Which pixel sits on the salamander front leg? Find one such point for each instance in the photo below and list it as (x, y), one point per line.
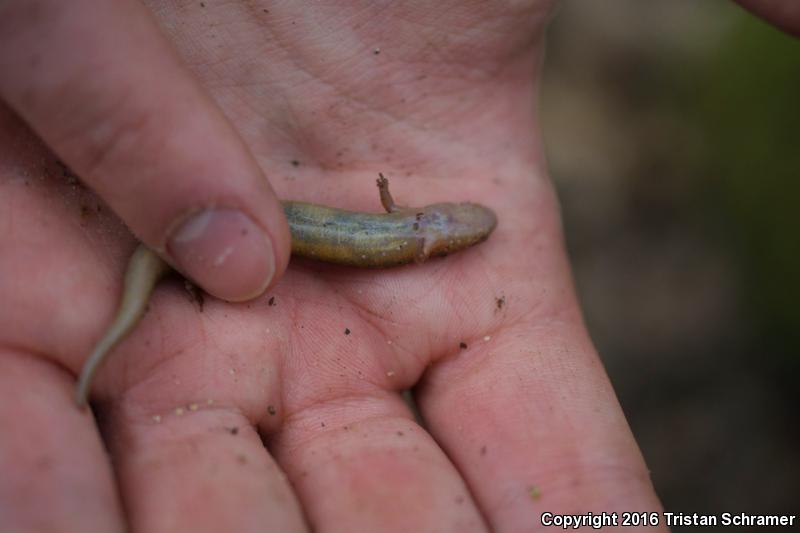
(386, 197)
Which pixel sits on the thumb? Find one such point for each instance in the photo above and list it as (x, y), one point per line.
(103, 88)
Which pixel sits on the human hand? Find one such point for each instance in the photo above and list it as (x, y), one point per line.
(519, 415)
(785, 14)
(106, 92)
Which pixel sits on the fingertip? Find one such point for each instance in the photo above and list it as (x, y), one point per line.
(224, 251)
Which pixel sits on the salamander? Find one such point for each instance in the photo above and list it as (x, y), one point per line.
(370, 240)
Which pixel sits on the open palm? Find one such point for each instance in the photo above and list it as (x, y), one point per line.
(285, 412)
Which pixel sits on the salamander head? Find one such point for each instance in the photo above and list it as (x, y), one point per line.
(450, 227)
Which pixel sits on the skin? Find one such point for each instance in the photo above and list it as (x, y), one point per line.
(402, 235)
(785, 14)
(305, 428)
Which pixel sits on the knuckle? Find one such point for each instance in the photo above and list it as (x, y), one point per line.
(105, 136)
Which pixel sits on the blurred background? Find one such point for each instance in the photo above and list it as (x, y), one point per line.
(672, 130)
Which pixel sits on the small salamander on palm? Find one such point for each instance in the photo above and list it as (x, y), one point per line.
(370, 240)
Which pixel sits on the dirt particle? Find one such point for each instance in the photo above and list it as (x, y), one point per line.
(85, 214)
(72, 178)
(157, 419)
(271, 301)
(195, 294)
(44, 463)
(272, 410)
(462, 345)
(534, 493)
(347, 331)
(295, 163)
(500, 302)
(179, 411)
(193, 407)
(400, 433)
(233, 430)
(202, 4)
(376, 51)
